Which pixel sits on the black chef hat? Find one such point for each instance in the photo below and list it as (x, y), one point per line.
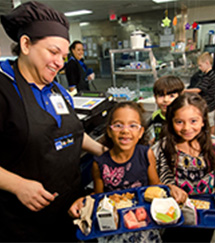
(35, 20)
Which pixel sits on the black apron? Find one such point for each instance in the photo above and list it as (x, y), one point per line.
(58, 171)
(73, 66)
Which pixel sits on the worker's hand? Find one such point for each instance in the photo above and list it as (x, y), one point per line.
(178, 194)
(74, 210)
(33, 195)
(91, 76)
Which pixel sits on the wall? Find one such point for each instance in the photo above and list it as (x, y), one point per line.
(203, 33)
(149, 22)
(113, 35)
(112, 31)
(75, 32)
(201, 14)
(5, 43)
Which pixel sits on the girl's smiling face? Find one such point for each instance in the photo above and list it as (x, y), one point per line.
(129, 131)
(188, 122)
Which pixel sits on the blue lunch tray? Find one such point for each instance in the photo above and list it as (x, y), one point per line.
(138, 202)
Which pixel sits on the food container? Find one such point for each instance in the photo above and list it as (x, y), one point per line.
(137, 39)
(107, 215)
(165, 211)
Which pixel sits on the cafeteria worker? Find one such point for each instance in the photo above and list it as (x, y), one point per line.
(41, 136)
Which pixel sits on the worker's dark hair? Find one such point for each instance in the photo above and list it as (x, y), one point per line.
(73, 45)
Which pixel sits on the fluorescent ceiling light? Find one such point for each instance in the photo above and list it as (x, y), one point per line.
(164, 1)
(79, 12)
(84, 24)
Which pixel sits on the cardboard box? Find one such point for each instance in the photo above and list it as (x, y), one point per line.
(107, 215)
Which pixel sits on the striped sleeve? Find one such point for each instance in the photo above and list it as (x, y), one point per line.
(164, 172)
(207, 87)
(204, 84)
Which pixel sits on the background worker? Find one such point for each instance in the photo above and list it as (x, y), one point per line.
(76, 70)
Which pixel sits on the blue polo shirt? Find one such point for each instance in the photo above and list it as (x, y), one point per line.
(42, 96)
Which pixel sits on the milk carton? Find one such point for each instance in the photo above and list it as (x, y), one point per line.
(107, 215)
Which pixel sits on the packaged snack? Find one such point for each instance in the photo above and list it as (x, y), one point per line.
(85, 221)
(189, 212)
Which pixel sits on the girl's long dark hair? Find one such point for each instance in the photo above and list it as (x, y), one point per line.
(169, 138)
(132, 105)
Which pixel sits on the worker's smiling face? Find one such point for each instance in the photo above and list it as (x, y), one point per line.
(43, 59)
(78, 52)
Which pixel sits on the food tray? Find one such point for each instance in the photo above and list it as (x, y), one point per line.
(206, 217)
(138, 202)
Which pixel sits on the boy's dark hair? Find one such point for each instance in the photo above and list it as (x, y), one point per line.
(167, 85)
(132, 105)
(169, 138)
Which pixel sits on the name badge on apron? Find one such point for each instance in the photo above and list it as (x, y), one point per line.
(59, 104)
